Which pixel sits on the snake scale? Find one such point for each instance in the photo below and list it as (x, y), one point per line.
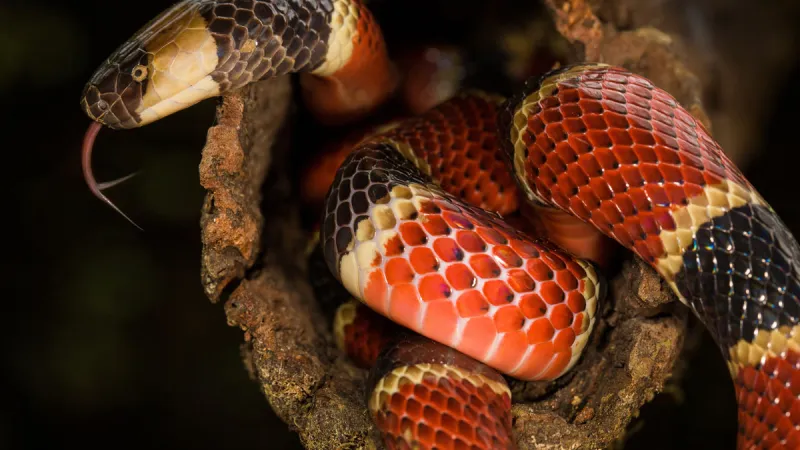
(413, 223)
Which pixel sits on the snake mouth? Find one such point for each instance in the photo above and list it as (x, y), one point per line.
(140, 104)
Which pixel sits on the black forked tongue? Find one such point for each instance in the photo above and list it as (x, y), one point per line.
(86, 163)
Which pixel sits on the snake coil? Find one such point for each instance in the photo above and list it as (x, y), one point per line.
(413, 224)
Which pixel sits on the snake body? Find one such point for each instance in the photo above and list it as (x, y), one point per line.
(446, 268)
(413, 222)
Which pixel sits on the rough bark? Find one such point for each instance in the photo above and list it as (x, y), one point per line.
(254, 258)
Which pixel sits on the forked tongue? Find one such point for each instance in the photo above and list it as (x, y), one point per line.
(86, 162)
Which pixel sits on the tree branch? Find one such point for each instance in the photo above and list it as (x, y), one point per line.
(261, 267)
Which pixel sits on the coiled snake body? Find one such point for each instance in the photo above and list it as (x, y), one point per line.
(413, 222)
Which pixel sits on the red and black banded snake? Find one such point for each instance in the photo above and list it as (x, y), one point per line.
(404, 236)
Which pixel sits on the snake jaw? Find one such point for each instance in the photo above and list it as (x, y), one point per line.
(179, 100)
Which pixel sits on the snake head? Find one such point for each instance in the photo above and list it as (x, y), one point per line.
(165, 67)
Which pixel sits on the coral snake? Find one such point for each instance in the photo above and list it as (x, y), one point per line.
(413, 223)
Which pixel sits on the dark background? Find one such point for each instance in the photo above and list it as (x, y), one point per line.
(111, 341)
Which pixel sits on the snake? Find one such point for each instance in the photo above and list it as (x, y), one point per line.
(413, 223)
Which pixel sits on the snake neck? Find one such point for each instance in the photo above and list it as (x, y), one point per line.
(357, 75)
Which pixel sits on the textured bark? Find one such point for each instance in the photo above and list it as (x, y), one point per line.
(259, 267)
(645, 50)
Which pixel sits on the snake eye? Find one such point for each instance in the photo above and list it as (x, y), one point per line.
(139, 73)
(102, 105)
